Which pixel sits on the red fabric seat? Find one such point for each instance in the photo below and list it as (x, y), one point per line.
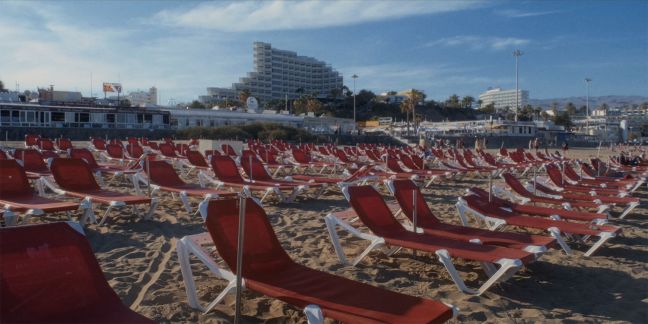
(75, 177)
(517, 186)
(16, 192)
(483, 206)
(87, 156)
(254, 170)
(268, 269)
(50, 275)
(375, 214)
(404, 189)
(162, 174)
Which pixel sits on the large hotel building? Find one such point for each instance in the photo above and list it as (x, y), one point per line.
(504, 98)
(279, 73)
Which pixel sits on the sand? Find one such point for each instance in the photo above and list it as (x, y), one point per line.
(139, 260)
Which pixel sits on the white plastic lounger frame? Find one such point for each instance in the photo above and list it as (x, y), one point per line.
(493, 223)
(536, 249)
(11, 218)
(198, 245)
(508, 267)
(89, 214)
(203, 179)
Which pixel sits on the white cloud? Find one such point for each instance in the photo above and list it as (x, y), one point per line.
(41, 45)
(514, 13)
(479, 42)
(437, 80)
(284, 15)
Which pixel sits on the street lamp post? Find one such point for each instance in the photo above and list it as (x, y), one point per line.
(517, 53)
(588, 81)
(354, 100)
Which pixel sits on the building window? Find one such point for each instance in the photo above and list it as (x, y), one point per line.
(58, 116)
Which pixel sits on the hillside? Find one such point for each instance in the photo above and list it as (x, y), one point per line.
(611, 101)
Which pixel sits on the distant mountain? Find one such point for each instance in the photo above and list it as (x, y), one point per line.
(611, 101)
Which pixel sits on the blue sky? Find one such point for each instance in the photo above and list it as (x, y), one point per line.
(441, 47)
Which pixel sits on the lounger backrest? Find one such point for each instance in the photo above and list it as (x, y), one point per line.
(3, 155)
(45, 144)
(494, 202)
(134, 150)
(482, 205)
(300, 156)
(225, 169)
(85, 155)
(163, 174)
(13, 180)
(49, 274)
(167, 150)
(154, 145)
(571, 173)
(115, 151)
(31, 140)
(254, 169)
(32, 160)
(73, 175)
(373, 211)
(99, 144)
(392, 164)
(64, 144)
(262, 252)
(516, 185)
(196, 159)
(228, 149)
(554, 174)
(404, 190)
(408, 162)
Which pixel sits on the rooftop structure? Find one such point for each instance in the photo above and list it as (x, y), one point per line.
(279, 74)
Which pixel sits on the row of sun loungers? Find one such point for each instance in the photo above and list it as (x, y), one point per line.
(566, 205)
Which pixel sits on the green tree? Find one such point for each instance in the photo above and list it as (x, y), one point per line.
(346, 91)
(570, 109)
(335, 93)
(392, 93)
(487, 109)
(414, 98)
(467, 102)
(563, 119)
(196, 105)
(274, 104)
(479, 103)
(453, 101)
(314, 105)
(2, 88)
(545, 116)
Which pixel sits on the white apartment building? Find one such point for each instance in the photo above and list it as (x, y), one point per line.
(280, 73)
(143, 98)
(504, 98)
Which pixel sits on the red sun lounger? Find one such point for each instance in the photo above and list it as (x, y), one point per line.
(269, 270)
(228, 175)
(495, 217)
(101, 169)
(629, 202)
(75, 179)
(558, 180)
(164, 178)
(387, 231)
(553, 213)
(525, 195)
(49, 274)
(406, 192)
(16, 195)
(255, 171)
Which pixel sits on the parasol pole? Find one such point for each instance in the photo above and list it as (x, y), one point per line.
(490, 186)
(148, 174)
(250, 165)
(239, 258)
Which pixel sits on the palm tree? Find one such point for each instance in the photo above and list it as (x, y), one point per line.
(1, 86)
(453, 101)
(244, 95)
(414, 97)
(406, 107)
(467, 102)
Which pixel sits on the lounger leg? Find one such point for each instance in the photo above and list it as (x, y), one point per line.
(185, 202)
(154, 203)
(231, 287)
(376, 243)
(335, 239)
(313, 314)
(628, 210)
(603, 238)
(187, 275)
(100, 179)
(508, 267)
(555, 233)
(331, 221)
(103, 219)
(88, 214)
(9, 218)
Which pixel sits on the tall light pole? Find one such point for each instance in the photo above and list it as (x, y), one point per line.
(588, 81)
(517, 53)
(354, 100)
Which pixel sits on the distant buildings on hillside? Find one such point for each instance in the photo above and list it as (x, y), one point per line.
(502, 99)
(279, 74)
